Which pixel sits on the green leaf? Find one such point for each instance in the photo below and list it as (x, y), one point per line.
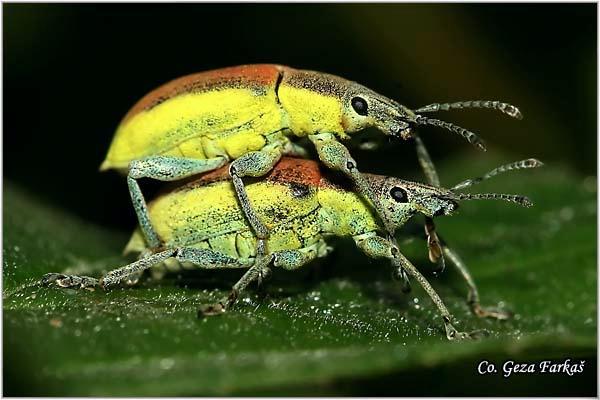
(339, 327)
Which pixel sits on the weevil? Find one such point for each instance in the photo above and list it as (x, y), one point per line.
(201, 223)
(250, 115)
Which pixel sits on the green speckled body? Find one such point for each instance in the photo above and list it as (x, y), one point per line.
(298, 204)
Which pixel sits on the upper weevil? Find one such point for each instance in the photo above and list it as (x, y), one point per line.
(248, 114)
(201, 223)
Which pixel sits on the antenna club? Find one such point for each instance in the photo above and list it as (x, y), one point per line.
(526, 202)
(532, 163)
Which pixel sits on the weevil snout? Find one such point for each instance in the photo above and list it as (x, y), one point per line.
(366, 108)
(436, 202)
(401, 129)
(393, 119)
(447, 207)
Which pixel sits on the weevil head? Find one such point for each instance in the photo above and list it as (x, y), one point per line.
(317, 102)
(399, 200)
(362, 108)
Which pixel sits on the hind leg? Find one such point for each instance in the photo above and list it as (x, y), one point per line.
(162, 168)
(204, 258)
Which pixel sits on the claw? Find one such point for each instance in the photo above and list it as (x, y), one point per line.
(210, 310)
(263, 276)
(68, 281)
(486, 312)
(219, 308)
(453, 334)
(50, 278)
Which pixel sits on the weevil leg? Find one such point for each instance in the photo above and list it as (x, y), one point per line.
(473, 296)
(434, 246)
(115, 276)
(374, 246)
(295, 150)
(111, 278)
(260, 267)
(286, 259)
(437, 249)
(377, 246)
(209, 259)
(162, 168)
(336, 156)
(254, 164)
(451, 332)
(426, 162)
(294, 259)
(436, 254)
(204, 258)
(69, 281)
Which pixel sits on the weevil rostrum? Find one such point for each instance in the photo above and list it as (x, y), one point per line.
(201, 223)
(251, 115)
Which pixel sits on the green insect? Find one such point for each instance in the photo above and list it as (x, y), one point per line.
(201, 223)
(251, 115)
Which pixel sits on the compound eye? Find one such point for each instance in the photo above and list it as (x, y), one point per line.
(399, 194)
(360, 105)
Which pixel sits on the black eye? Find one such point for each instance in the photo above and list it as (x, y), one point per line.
(399, 194)
(360, 105)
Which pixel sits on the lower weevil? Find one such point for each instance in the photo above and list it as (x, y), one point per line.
(201, 223)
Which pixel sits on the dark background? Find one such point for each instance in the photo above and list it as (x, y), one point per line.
(72, 71)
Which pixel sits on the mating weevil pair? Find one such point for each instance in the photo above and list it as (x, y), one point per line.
(249, 115)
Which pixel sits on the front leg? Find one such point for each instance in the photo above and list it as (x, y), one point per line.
(379, 247)
(439, 250)
(162, 168)
(336, 156)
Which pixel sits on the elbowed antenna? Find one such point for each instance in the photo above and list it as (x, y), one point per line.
(523, 164)
(513, 198)
(467, 134)
(505, 108)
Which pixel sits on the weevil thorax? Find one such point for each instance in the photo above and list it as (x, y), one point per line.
(316, 102)
(400, 199)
